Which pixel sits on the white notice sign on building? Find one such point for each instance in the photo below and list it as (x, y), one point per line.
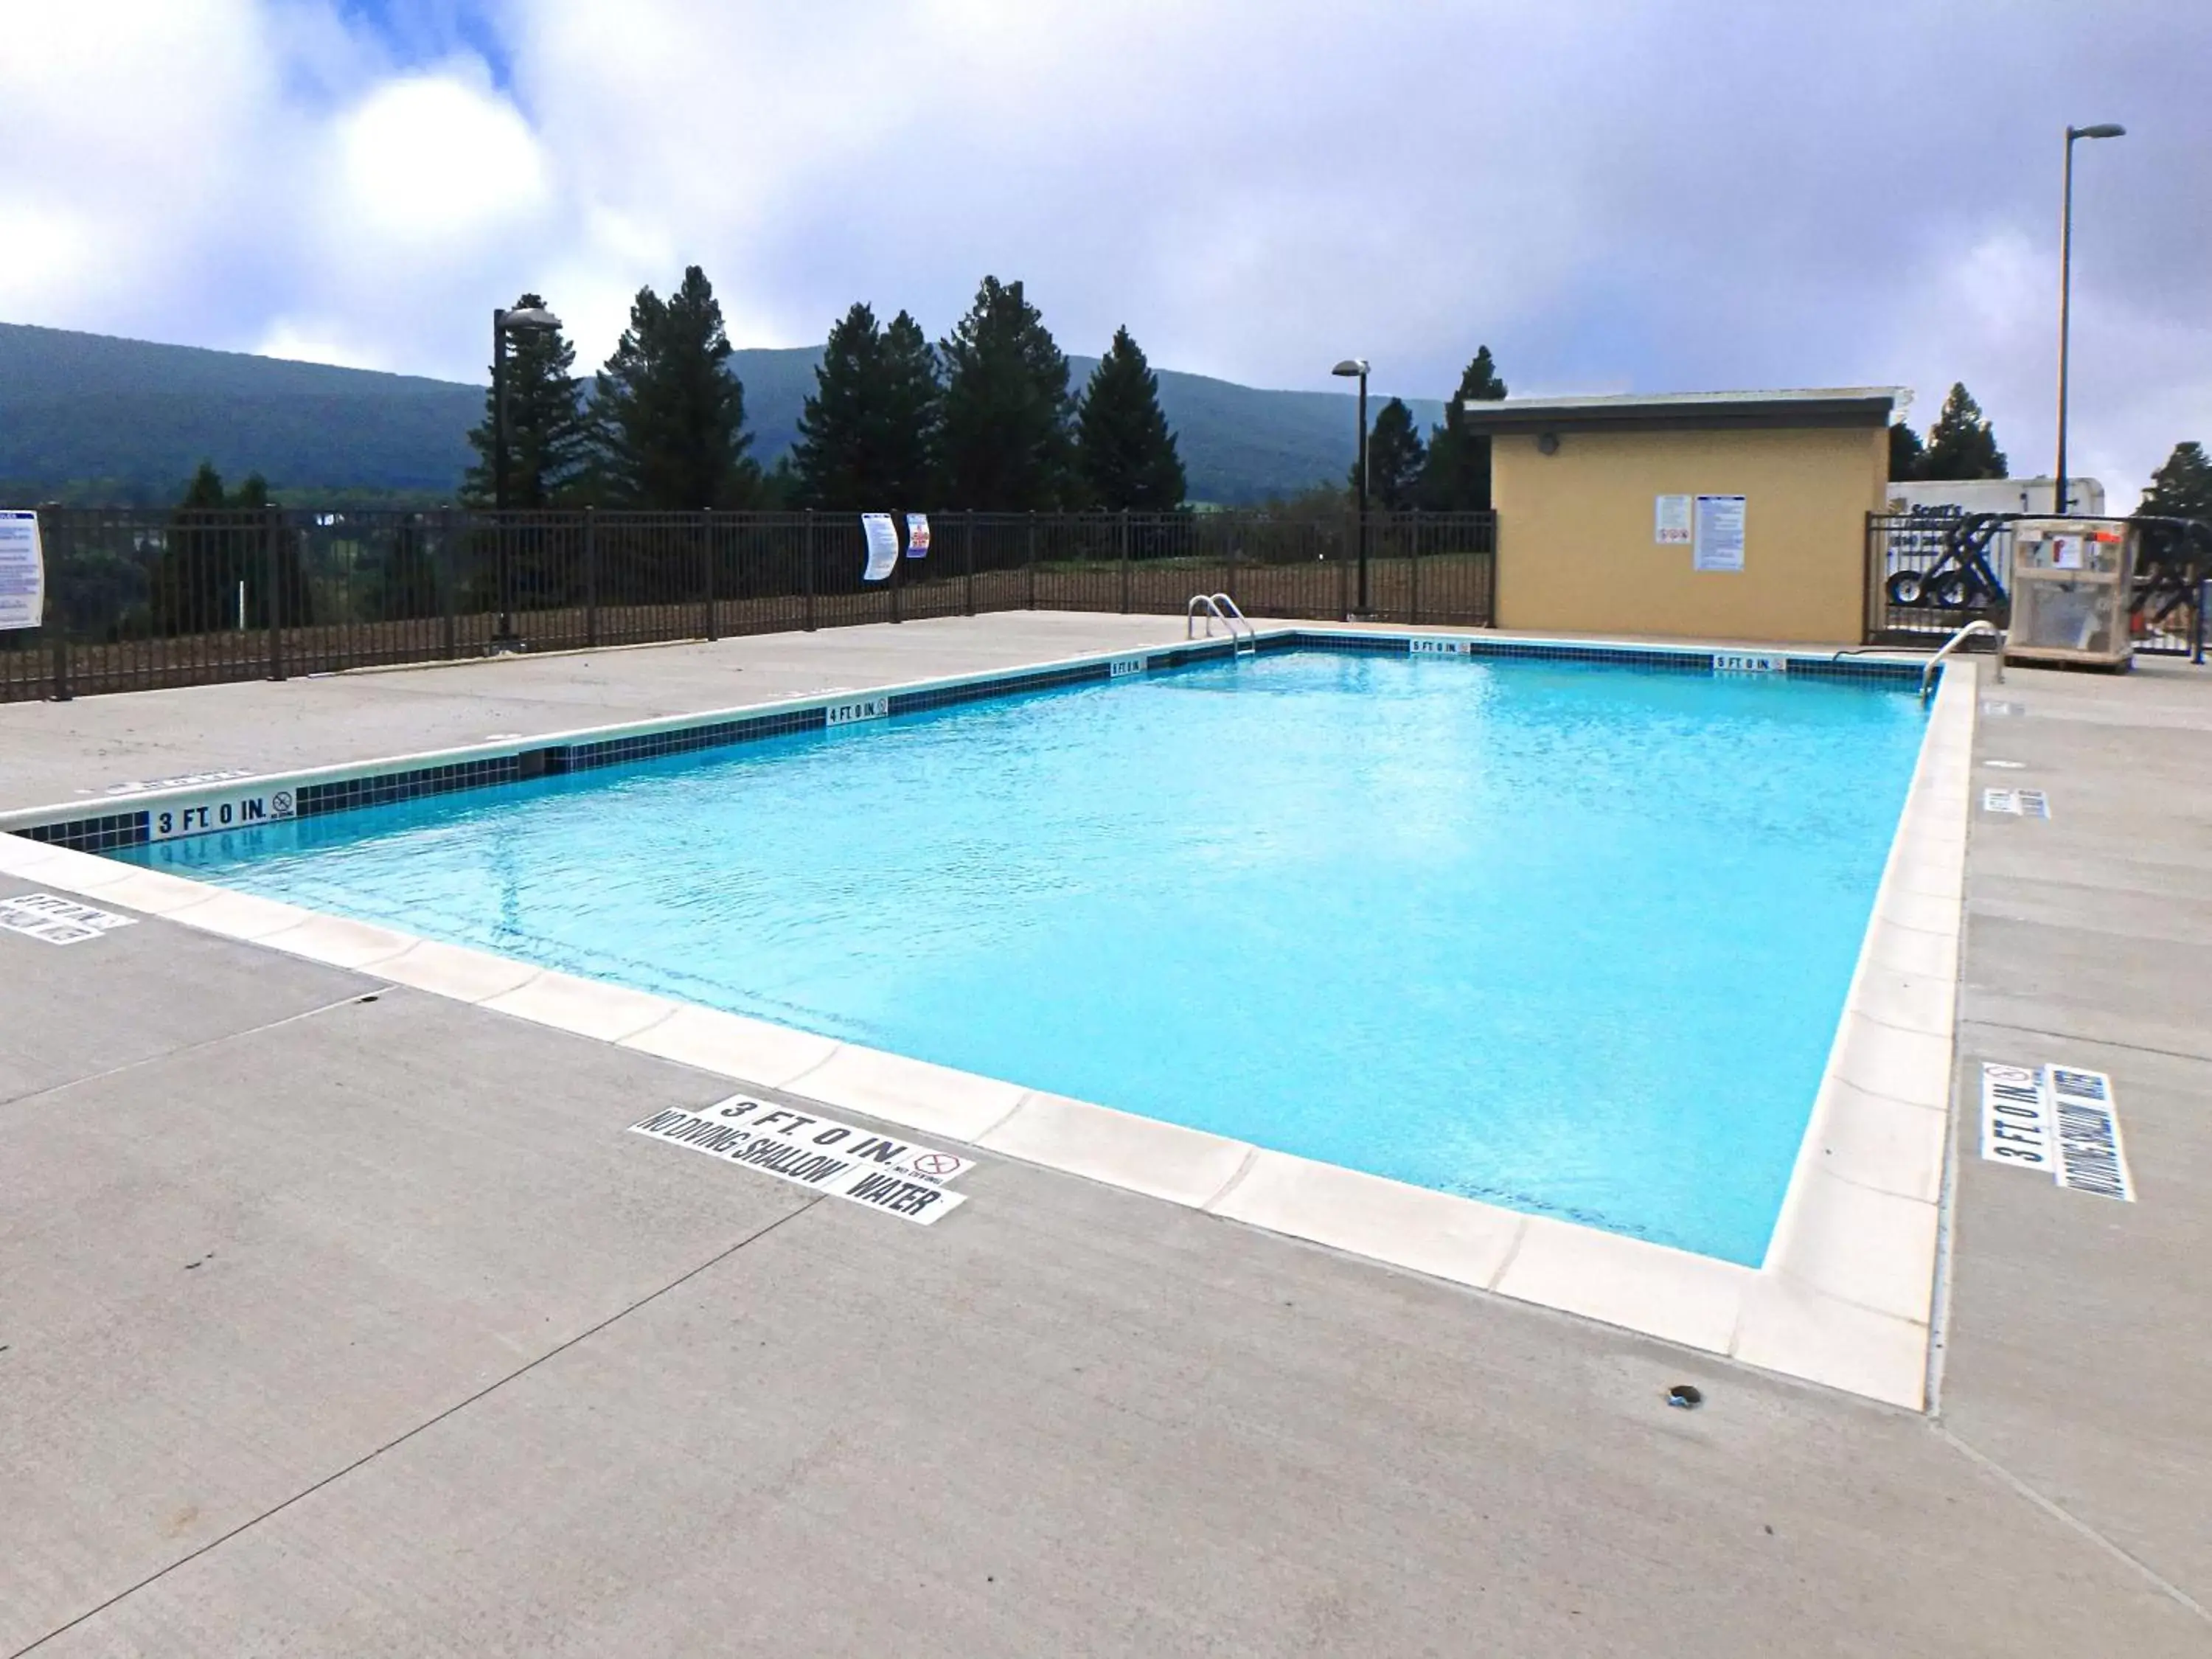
(23, 571)
(1670, 520)
(1718, 533)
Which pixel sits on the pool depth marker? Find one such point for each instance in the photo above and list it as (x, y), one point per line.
(851, 1162)
(2059, 1118)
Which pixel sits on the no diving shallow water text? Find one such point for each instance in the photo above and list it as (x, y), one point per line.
(2059, 1119)
(56, 921)
(879, 1171)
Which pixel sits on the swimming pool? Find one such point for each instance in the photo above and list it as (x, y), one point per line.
(1568, 938)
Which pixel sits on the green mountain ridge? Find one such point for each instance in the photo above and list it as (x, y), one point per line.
(94, 417)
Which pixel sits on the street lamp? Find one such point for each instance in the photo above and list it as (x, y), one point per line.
(523, 319)
(2103, 130)
(1352, 366)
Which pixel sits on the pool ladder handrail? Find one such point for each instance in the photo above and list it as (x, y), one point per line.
(1220, 606)
(1979, 625)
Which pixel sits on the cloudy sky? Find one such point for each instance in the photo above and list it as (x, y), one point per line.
(1651, 195)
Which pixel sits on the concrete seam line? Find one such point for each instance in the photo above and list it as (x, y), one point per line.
(2076, 1522)
(196, 1048)
(553, 1353)
(2096, 1042)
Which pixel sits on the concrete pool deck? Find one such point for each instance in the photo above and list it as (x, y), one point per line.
(489, 1377)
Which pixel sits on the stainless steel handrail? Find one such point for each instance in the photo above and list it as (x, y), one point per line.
(1221, 607)
(1979, 625)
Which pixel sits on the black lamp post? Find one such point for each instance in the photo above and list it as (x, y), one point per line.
(2104, 130)
(526, 319)
(1357, 366)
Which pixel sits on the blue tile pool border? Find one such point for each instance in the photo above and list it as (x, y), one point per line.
(318, 792)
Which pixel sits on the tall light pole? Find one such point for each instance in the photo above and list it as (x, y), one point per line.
(2104, 130)
(523, 319)
(1357, 366)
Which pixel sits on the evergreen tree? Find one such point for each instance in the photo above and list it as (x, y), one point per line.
(1908, 456)
(914, 416)
(405, 582)
(1457, 476)
(867, 437)
(1126, 452)
(1397, 454)
(218, 548)
(1007, 446)
(549, 434)
(832, 463)
(1960, 444)
(2182, 489)
(671, 415)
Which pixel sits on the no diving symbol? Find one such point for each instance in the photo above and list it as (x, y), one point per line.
(280, 804)
(935, 1163)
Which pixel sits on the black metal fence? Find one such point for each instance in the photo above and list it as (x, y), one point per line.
(141, 598)
(1931, 572)
(2172, 568)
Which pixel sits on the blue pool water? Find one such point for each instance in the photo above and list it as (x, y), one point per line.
(1569, 938)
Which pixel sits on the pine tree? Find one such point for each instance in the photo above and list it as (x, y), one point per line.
(1124, 448)
(1397, 454)
(1960, 444)
(867, 437)
(1007, 446)
(834, 463)
(912, 427)
(549, 434)
(1908, 456)
(213, 552)
(2182, 489)
(670, 416)
(1457, 476)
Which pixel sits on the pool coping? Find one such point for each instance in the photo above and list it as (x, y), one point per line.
(1843, 1297)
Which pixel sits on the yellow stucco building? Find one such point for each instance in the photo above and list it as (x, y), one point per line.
(1711, 515)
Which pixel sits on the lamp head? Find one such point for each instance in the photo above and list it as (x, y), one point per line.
(1351, 366)
(2102, 130)
(528, 317)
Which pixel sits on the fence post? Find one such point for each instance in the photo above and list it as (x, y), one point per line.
(809, 561)
(968, 564)
(1030, 559)
(1121, 536)
(706, 535)
(591, 578)
(898, 572)
(274, 517)
(449, 587)
(1413, 566)
(62, 693)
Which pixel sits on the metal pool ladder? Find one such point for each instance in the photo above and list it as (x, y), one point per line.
(1979, 625)
(1220, 607)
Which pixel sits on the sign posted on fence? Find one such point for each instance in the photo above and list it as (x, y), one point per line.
(882, 546)
(917, 535)
(23, 571)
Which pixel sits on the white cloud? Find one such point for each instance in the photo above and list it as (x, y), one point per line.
(1685, 196)
(431, 159)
